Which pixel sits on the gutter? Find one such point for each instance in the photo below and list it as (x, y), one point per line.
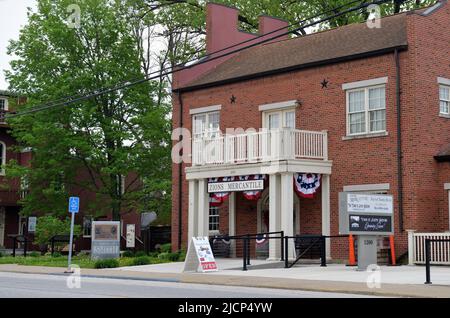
(399, 142)
(293, 68)
(180, 179)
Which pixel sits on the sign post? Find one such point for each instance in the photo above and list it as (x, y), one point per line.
(74, 208)
(367, 216)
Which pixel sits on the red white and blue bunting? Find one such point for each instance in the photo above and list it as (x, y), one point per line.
(306, 184)
(256, 194)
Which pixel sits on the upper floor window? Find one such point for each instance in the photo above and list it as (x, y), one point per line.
(3, 104)
(2, 157)
(279, 119)
(206, 124)
(444, 99)
(366, 110)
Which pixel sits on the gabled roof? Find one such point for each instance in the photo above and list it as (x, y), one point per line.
(343, 43)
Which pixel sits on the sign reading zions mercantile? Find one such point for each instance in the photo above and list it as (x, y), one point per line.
(235, 186)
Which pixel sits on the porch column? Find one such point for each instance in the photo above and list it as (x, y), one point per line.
(192, 210)
(232, 221)
(274, 215)
(287, 209)
(203, 208)
(326, 227)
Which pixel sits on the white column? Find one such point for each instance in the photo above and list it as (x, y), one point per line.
(287, 209)
(232, 221)
(326, 218)
(274, 215)
(203, 208)
(193, 210)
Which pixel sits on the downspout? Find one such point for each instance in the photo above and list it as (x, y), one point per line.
(180, 178)
(399, 143)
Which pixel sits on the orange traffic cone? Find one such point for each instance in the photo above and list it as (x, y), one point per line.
(391, 242)
(351, 251)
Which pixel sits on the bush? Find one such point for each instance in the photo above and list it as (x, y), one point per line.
(106, 263)
(166, 248)
(153, 254)
(57, 254)
(128, 253)
(173, 257)
(143, 260)
(140, 254)
(34, 254)
(1, 254)
(49, 226)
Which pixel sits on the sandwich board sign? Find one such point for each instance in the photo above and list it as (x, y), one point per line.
(366, 215)
(131, 235)
(105, 239)
(200, 255)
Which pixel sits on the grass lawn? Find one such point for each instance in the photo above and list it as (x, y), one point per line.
(61, 261)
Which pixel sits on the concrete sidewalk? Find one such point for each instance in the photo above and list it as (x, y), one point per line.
(401, 281)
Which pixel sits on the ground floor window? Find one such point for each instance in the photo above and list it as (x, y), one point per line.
(213, 218)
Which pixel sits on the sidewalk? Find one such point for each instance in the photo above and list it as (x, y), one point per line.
(401, 281)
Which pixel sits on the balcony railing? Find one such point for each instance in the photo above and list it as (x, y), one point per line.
(262, 146)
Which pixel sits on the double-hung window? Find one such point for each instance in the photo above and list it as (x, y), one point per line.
(366, 110)
(280, 119)
(206, 125)
(213, 219)
(3, 104)
(444, 100)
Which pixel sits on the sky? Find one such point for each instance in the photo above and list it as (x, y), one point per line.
(13, 15)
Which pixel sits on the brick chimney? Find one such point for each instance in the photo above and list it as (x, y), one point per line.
(222, 31)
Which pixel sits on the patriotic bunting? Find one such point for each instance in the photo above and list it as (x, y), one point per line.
(306, 184)
(252, 195)
(218, 198)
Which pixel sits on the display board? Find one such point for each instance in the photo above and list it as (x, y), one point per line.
(105, 239)
(200, 256)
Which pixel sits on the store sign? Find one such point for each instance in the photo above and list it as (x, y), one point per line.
(131, 235)
(200, 255)
(235, 186)
(369, 203)
(366, 214)
(105, 239)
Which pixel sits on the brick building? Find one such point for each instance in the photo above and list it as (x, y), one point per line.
(366, 109)
(11, 221)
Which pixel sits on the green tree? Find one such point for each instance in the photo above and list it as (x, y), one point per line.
(90, 144)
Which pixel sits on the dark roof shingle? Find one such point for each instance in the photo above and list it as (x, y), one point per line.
(317, 48)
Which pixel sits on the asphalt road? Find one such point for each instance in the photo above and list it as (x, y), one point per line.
(14, 285)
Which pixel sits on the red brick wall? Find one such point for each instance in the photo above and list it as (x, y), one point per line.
(357, 161)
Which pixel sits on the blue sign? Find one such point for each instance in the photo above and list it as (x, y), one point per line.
(74, 204)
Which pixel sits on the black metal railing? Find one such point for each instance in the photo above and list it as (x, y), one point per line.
(244, 242)
(428, 257)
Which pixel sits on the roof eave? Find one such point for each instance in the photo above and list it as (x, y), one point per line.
(293, 68)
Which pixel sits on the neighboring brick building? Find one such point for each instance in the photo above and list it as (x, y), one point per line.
(366, 108)
(11, 222)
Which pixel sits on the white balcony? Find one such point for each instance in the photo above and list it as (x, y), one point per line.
(262, 146)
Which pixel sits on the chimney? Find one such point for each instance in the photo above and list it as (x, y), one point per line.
(222, 31)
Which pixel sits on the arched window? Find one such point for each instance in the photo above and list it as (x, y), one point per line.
(2, 157)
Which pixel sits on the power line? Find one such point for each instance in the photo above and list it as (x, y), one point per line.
(161, 72)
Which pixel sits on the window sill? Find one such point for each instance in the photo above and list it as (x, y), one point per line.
(444, 115)
(370, 135)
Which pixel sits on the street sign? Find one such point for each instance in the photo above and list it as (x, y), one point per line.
(74, 207)
(74, 204)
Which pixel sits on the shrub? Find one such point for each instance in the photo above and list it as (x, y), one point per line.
(34, 254)
(140, 253)
(181, 256)
(49, 226)
(153, 254)
(57, 254)
(106, 263)
(142, 260)
(166, 248)
(173, 257)
(128, 253)
(1, 254)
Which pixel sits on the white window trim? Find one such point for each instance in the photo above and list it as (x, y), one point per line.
(213, 232)
(207, 109)
(6, 102)
(365, 83)
(3, 162)
(443, 81)
(281, 111)
(367, 187)
(367, 131)
(447, 86)
(207, 123)
(278, 106)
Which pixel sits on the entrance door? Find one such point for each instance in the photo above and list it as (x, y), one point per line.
(263, 214)
(280, 119)
(2, 226)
